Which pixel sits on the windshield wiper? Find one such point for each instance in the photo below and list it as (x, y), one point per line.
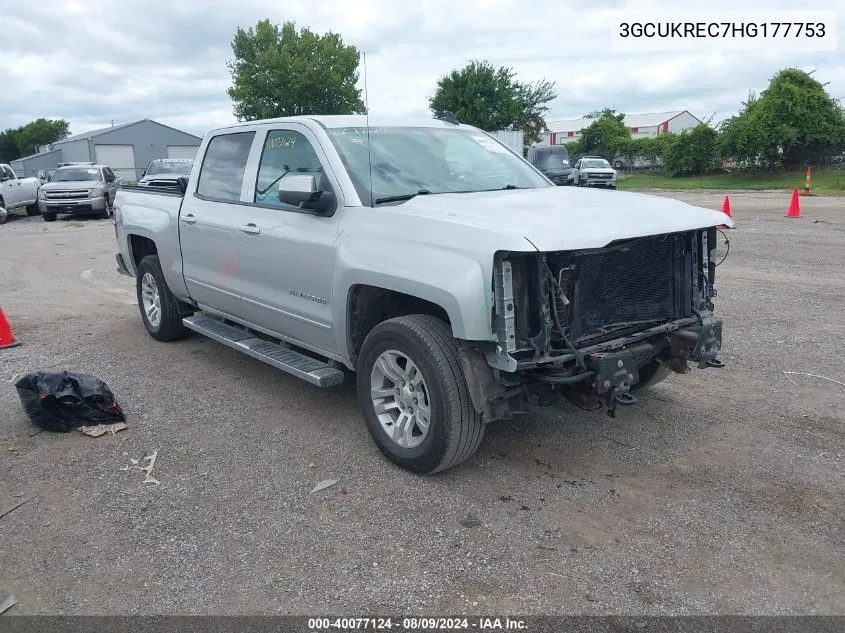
(404, 196)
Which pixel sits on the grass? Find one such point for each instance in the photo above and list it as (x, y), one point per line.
(76, 224)
(829, 182)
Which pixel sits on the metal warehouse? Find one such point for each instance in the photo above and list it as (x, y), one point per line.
(126, 148)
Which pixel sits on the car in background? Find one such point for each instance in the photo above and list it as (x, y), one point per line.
(165, 172)
(553, 161)
(79, 189)
(593, 171)
(17, 193)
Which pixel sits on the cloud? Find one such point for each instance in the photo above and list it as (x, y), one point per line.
(100, 61)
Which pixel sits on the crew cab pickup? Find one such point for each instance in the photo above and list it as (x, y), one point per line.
(16, 193)
(456, 281)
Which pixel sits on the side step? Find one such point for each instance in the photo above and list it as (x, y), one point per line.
(300, 365)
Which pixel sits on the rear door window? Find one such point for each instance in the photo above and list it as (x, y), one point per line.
(224, 165)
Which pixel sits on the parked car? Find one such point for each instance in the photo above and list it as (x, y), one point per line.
(455, 296)
(553, 161)
(79, 189)
(17, 193)
(593, 171)
(164, 172)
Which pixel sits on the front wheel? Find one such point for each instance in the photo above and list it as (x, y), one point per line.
(33, 209)
(49, 217)
(160, 310)
(414, 395)
(651, 374)
(106, 214)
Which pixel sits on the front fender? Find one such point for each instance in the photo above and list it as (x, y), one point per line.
(457, 282)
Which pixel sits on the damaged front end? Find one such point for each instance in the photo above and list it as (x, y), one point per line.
(596, 325)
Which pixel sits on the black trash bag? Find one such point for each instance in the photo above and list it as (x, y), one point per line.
(62, 401)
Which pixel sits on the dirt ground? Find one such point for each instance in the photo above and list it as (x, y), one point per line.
(721, 492)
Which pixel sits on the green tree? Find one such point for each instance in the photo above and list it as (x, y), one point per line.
(492, 99)
(40, 132)
(607, 136)
(692, 152)
(9, 150)
(793, 123)
(532, 120)
(281, 72)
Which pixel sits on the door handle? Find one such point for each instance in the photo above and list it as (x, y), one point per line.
(250, 229)
(188, 219)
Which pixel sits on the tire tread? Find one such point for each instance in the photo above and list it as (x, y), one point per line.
(171, 328)
(464, 427)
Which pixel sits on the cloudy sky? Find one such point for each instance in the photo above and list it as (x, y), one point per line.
(93, 62)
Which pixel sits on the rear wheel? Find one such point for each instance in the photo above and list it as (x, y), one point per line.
(161, 312)
(33, 209)
(414, 395)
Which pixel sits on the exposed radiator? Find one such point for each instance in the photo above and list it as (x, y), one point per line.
(649, 279)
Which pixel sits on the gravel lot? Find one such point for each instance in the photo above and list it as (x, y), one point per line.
(721, 492)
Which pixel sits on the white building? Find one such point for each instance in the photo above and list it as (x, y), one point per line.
(641, 125)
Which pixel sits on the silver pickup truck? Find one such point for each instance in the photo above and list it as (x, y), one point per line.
(453, 278)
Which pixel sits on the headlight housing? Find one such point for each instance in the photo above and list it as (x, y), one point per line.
(96, 192)
(41, 194)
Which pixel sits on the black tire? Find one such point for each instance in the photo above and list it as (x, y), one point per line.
(618, 164)
(107, 211)
(49, 217)
(170, 327)
(33, 210)
(455, 428)
(651, 374)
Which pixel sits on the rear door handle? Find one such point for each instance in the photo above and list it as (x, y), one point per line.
(250, 229)
(188, 219)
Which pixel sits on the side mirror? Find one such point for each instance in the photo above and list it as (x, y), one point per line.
(143, 173)
(300, 190)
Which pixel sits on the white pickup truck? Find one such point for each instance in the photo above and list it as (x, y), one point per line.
(453, 278)
(16, 193)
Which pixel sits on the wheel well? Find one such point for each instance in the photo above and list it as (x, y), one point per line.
(141, 247)
(368, 306)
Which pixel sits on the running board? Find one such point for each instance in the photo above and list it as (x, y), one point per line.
(300, 365)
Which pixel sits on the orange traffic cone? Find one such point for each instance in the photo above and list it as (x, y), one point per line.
(794, 207)
(726, 209)
(807, 181)
(7, 339)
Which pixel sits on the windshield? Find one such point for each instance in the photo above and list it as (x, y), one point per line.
(594, 162)
(169, 168)
(76, 174)
(407, 160)
(551, 158)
